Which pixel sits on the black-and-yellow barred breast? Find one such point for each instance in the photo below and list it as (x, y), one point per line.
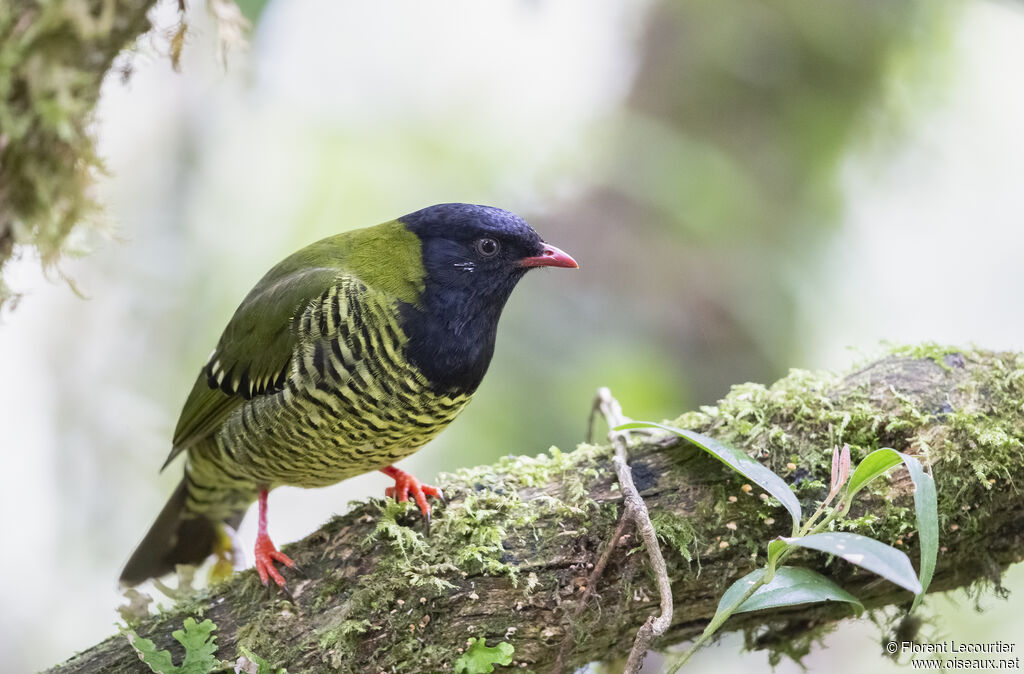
(351, 403)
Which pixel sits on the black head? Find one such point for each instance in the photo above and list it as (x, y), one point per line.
(479, 250)
(473, 257)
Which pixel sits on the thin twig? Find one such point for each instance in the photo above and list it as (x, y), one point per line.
(636, 510)
(592, 580)
(595, 575)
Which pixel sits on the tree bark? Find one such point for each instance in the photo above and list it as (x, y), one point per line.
(509, 556)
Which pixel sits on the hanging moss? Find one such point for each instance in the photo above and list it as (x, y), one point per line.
(53, 58)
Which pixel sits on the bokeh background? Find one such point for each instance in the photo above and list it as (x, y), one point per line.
(748, 186)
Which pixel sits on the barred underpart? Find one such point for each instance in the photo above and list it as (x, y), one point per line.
(351, 403)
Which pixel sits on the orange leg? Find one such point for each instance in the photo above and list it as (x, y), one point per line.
(406, 484)
(266, 553)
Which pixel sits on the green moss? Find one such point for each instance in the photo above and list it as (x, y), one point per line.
(931, 350)
(792, 425)
(678, 534)
(270, 631)
(468, 539)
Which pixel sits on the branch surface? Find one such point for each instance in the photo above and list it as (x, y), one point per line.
(510, 556)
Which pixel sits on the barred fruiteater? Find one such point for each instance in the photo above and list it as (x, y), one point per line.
(347, 356)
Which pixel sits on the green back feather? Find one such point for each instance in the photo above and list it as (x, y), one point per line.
(254, 354)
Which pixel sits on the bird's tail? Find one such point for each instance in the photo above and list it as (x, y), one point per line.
(176, 537)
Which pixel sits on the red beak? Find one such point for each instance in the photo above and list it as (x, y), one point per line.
(551, 257)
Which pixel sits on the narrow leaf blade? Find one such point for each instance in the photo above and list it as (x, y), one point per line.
(927, 509)
(925, 504)
(775, 548)
(738, 589)
(867, 553)
(874, 464)
(794, 585)
(835, 469)
(844, 465)
(738, 461)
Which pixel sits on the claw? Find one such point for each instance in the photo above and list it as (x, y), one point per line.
(266, 555)
(266, 552)
(406, 484)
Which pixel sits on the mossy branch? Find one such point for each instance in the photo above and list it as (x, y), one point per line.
(53, 58)
(509, 557)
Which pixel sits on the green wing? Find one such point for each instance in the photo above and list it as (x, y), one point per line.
(254, 355)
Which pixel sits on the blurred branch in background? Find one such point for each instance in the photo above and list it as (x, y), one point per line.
(730, 143)
(510, 556)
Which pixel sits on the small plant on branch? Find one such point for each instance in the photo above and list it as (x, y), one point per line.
(775, 584)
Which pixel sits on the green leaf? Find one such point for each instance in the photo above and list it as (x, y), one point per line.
(790, 586)
(158, 661)
(926, 507)
(775, 548)
(867, 553)
(874, 464)
(738, 461)
(480, 658)
(199, 643)
(200, 646)
(738, 589)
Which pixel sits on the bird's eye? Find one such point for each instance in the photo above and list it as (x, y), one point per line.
(487, 247)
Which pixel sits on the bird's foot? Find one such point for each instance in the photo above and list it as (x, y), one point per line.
(406, 484)
(266, 555)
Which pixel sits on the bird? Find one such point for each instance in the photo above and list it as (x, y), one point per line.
(347, 356)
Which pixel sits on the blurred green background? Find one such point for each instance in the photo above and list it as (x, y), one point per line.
(748, 186)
